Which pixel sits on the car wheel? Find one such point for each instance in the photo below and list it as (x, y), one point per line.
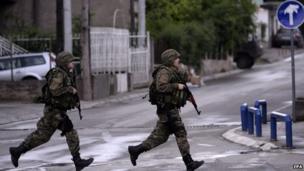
(299, 44)
(244, 61)
(29, 78)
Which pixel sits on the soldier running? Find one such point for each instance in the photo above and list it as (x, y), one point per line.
(166, 92)
(59, 96)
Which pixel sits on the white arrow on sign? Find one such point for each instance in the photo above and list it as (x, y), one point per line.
(292, 8)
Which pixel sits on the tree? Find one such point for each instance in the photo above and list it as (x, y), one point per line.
(197, 27)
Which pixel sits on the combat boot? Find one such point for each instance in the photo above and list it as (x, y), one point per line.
(190, 164)
(16, 153)
(135, 151)
(81, 163)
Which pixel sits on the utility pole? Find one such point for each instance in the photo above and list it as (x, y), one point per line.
(59, 26)
(132, 27)
(142, 22)
(85, 50)
(68, 37)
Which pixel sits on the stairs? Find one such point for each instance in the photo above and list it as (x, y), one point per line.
(5, 47)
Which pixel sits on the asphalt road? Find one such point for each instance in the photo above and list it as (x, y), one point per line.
(107, 130)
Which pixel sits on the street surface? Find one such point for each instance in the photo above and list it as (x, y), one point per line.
(107, 130)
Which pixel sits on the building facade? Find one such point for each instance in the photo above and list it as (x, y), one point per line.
(40, 15)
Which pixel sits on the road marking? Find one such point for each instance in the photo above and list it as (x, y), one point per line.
(283, 107)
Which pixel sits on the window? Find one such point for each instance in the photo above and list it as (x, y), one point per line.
(32, 60)
(5, 64)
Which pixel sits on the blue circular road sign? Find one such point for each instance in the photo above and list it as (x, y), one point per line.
(290, 14)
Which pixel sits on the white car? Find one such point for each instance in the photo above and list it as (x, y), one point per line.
(30, 66)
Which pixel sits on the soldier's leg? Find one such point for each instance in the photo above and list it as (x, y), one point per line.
(66, 126)
(183, 144)
(180, 133)
(159, 136)
(44, 132)
(40, 136)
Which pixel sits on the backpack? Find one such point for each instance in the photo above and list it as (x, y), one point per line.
(66, 101)
(46, 94)
(153, 93)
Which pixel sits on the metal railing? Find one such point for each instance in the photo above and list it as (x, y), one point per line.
(7, 47)
(116, 51)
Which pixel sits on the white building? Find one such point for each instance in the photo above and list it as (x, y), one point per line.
(266, 23)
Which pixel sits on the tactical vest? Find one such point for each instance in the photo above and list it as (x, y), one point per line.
(65, 101)
(177, 98)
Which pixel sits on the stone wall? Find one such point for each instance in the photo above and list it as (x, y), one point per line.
(211, 66)
(20, 90)
(103, 86)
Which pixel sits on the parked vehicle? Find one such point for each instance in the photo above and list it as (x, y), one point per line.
(30, 66)
(246, 54)
(282, 38)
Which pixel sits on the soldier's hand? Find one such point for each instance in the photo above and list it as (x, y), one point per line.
(181, 86)
(72, 90)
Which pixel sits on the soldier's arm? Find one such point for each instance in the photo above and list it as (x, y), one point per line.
(184, 75)
(56, 85)
(163, 82)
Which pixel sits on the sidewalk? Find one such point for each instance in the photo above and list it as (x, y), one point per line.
(236, 135)
(20, 111)
(272, 55)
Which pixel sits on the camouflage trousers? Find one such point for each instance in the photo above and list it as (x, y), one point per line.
(52, 120)
(169, 123)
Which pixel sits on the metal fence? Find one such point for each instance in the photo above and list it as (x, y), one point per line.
(44, 44)
(112, 51)
(109, 50)
(140, 55)
(116, 51)
(6, 47)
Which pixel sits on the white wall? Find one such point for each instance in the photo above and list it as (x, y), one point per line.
(262, 17)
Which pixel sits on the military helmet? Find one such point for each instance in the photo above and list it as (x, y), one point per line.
(63, 58)
(169, 55)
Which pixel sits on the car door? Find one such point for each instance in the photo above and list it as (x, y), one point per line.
(18, 73)
(5, 69)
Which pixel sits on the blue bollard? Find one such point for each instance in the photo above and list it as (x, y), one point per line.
(288, 127)
(262, 105)
(250, 122)
(273, 128)
(244, 116)
(258, 123)
(252, 111)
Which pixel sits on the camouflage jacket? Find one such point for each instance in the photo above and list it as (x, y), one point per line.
(166, 91)
(58, 91)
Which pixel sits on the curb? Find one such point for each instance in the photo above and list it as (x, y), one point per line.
(88, 104)
(232, 136)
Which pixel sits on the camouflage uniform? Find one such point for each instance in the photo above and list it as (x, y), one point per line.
(168, 113)
(55, 118)
(59, 97)
(167, 78)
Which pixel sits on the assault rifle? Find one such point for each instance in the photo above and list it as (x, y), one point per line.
(191, 98)
(78, 106)
(77, 98)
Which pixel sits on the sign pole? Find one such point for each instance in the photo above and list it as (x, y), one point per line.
(293, 72)
(290, 15)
